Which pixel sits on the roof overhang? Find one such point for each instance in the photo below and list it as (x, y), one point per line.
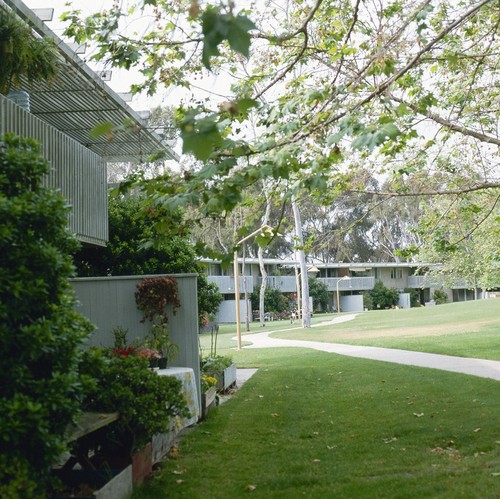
(77, 100)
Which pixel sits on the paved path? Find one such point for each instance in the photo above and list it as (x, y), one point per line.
(474, 367)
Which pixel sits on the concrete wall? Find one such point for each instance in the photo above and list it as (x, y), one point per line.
(351, 303)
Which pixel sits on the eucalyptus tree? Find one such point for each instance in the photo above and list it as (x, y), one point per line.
(330, 85)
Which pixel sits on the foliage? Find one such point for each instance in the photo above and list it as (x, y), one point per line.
(462, 235)
(414, 297)
(22, 54)
(120, 381)
(384, 297)
(274, 300)
(207, 382)
(132, 222)
(439, 296)
(154, 294)
(40, 332)
(119, 337)
(367, 300)
(406, 111)
(318, 291)
(159, 339)
(214, 365)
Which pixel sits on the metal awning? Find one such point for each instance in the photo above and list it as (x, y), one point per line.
(77, 100)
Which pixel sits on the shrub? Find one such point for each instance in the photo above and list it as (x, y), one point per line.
(440, 296)
(40, 333)
(367, 300)
(274, 300)
(384, 297)
(119, 380)
(414, 297)
(318, 291)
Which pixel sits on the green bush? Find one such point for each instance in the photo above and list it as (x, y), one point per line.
(414, 297)
(367, 300)
(384, 297)
(119, 380)
(318, 291)
(274, 300)
(40, 333)
(440, 297)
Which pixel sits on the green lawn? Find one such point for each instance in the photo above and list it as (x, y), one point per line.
(470, 329)
(313, 424)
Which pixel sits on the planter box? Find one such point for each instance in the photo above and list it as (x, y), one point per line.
(162, 443)
(142, 463)
(227, 379)
(208, 400)
(96, 484)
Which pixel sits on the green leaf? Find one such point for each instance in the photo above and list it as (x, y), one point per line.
(237, 35)
(216, 28)
(102, 129)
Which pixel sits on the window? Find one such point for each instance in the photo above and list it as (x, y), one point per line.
(396, 273)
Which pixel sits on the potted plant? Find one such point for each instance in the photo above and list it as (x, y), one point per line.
(159, 341)
(208, 393)
(221, 367)
(153, 295)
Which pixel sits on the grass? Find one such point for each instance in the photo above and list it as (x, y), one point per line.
(470, 329)
(313, 424)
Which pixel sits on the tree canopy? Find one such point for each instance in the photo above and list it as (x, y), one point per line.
(315, 90)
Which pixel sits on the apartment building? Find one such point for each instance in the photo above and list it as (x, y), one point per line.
(345, 282)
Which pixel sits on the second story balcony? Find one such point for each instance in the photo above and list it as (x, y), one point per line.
(288, 284)
(226, 283)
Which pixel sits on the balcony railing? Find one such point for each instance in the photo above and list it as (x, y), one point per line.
(423, 281)
(352, 284)
(226, 283)
(288, 284)
(77, 172)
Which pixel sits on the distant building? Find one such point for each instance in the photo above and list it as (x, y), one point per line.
(348, 281)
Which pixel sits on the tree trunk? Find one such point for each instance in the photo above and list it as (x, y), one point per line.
(299, 242)
(260, 254)
(245, 290)
(263, 286)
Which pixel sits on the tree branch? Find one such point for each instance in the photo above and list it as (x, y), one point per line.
(451, 192)
(448, 124)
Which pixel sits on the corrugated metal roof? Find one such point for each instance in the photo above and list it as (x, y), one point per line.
(77, 100)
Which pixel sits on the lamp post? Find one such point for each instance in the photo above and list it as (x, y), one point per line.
(264, 228)
(345, 278)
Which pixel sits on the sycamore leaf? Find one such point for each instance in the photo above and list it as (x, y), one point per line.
(216, 28)
(237, 34)
(105, 128)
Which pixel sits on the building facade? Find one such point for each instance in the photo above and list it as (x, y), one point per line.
(62, 114)
(346, 283)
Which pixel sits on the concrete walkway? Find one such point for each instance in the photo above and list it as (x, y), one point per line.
(474, 367)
